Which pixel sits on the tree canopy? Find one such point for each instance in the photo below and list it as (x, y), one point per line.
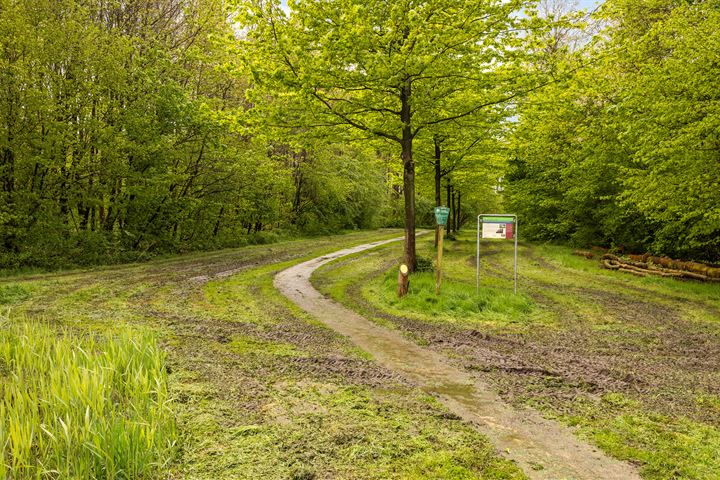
(132, 128)
(389, 70)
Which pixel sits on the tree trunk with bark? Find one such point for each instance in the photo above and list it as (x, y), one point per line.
(458, 219)
(438, 187)
(449, 204)
(408, 177)
(452, 220)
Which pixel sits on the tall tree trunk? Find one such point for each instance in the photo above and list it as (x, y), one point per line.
(7, 174)
(453, 219)
(297, 197)
(216, 230)
(8, 169)
(298, 181)
(438, 187)
(449, 204)
(458, 219)
(408, 176)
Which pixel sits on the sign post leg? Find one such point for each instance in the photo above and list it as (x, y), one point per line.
(516, 247)
(438, 268)
(477, 260)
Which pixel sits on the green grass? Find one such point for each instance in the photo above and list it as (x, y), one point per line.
(244, 345)
(259, 389)
(561, 294)
(666, 447)
(457, 303)
(82, 405)
(496, 306)
(315, 428)
(12, 293)
(575, 271)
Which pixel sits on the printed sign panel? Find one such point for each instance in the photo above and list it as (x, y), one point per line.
(493, 230)
(498, 227)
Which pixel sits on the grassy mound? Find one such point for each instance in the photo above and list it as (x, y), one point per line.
(458, 302)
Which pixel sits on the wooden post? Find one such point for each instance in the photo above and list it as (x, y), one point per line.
(403, 280)
(438, 266)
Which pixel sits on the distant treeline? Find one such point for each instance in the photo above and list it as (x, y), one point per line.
(625, 151)
(121, 137)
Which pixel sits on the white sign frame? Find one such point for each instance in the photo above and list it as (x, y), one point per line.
(477, 252)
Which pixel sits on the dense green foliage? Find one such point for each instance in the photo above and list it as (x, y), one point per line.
(624, 150)
(74, 407)
(121, 136)
(132, 128)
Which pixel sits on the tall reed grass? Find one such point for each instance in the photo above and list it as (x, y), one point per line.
(82, 405)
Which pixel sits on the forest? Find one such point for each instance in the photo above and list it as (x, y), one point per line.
(217, 257)
(131, 129)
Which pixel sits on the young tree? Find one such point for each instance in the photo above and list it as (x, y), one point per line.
(387, 70)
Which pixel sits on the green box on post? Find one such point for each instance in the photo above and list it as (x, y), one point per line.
(441, 215)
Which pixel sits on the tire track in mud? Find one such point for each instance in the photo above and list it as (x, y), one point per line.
(645, 349)
(542, 448)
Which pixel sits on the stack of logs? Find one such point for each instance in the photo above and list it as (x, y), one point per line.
(645, 265)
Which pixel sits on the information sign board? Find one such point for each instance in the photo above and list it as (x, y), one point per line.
(441, 215)
(496, 226)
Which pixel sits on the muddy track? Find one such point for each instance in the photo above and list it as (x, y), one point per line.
(542, 448)
(659, 356)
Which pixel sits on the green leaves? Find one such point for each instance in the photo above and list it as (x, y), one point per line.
(632, 138)
(348, 61)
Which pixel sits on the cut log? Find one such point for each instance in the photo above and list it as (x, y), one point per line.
(403, 280)
(639, 258)
(633, 271)
(658, 266)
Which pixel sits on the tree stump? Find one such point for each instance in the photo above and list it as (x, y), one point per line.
(403, 280)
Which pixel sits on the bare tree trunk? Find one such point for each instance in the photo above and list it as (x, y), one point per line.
(449, 204)
(453, 220)
(298, 182)
(216, 229)
(8, 169)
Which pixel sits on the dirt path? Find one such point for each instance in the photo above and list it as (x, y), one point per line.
(542, 448)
